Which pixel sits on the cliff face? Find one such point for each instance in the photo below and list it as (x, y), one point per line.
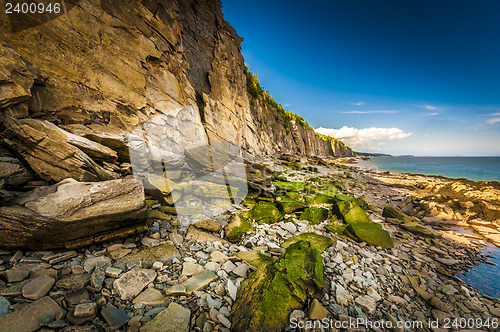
(111, 65)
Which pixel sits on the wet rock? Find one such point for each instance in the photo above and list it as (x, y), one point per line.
(90, 263)
(133, 282)
(116, 318)
(77, 297)
(254, 258)
(38, 287)
(97, 278)
(297, 275)
(238, 225)
(349, 211)
(319, 241)
(175, 318)
(27, 319)
(4, 306)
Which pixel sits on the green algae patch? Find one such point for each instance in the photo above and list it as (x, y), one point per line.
(320, 199)
(287, 205)
(390, 212)
(265, 213)
(350, 212)
(254, 258)
(289, 186)
(314, 215)
(237, 226)
(320, 242)
(248, 202)
(268, 296)
(371, 233)
(336, 229)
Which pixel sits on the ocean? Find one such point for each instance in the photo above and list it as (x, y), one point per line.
(472, 168)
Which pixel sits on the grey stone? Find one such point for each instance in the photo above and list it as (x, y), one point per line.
(85, 309)
(175, 318)
(27, 319)
(74, 281)
(116, 318)
(4, 306)
(133, 282)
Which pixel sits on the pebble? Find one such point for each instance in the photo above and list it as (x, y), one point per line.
(116, 318)
(85, 309)
(231, 289)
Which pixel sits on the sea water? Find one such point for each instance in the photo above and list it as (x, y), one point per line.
(484, 277)
(472, 168)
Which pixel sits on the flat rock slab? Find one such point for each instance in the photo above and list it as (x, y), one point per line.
(27, 319)
(163, 253)
(72, 214)
(197, 282)
(74, 281)
(197, 235)
(133, 282)
(116, 318)
(38, 287)
(173, 319)
(151, 297)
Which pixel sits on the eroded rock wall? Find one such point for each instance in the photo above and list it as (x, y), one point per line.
(119, 63)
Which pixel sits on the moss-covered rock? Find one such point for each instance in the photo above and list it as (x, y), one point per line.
(248, 202)
(418, 228)
(407, 223)
(320, 199)
(371, 233)
(320, 242)
(390, 212)
(265, 213)
(237, 226)
(288, 205)
(336, 228)
(350, 212)
(266, 299)
(314, 215)
(254, 258)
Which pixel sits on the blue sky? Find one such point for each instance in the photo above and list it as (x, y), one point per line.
(401, 77)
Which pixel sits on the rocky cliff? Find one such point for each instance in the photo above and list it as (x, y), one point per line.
(106, 67)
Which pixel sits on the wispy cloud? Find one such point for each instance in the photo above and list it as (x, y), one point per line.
(430, 107)
(368, 112)
(357, 137)
(360, 103)
(432, 114)
(493, 121)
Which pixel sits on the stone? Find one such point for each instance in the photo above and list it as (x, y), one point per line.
(175, 318)
(149, 242)
(349, 211)
(151, 297)
(72, 319)
(85, 309)
(15, 275)
(213, 303)
(38, 287)
(209, 225)
(288, 205)
(164, 253)
(190, 268)
(56, 217)
(49, 272)
(314, 215)
(423, 293)
(77, 297)
(14, 290)
(4, 306)
(97, 278)
(196, 282)
(216, 256)
(438, 304)
(116, 318)
(133, 282)
(237, 227)
(231, 289)
(371, 233)
(74, 281)
(211, 266)
(373, 293)
(197, 235)
(269, 295)
(228, 266)
(264, 213)
(317, 311)
(113, 272)
(289, 226)
(366, 303)
(176, 238)
(224, 320)
(254, 258)
(241, 270)
(342, 295)
(319, 241)
(27, 319)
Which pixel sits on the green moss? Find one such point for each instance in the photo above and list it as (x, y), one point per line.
(279, 177)
(268, 296)
(371, 233)
(265, 213)
(319, 241)
(237, 226)
(320, 199)
(254, 258)
(336, 229)
(287, 205)
(248, 202)
(289, 186)
(390, 212)
(350, 212)
(314, 215)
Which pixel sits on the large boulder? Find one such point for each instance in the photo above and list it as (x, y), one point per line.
(265, 213)
(266, 299)
(49, 152)
(350, 212)
(371, 233)
(314, 215)
(320, 242)
(72, 214)
(238, 225)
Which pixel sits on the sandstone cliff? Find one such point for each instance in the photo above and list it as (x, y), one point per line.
(108, 66)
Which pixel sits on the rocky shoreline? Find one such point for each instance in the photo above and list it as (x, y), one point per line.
(292, 253)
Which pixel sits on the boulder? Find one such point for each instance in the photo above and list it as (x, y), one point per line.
(47, 150)
(237, 226)
(288, 205)
(265, 213)
(371, 233)
(268, 296)
(314, 215)
(72, 214)
(349, 211)
(320, 242)
(13, 172)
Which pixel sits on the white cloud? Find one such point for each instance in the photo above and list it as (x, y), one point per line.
(360, 103)
(360, 137)
(368, 112)
(433, 114)
(493, 121)
(430, 107)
